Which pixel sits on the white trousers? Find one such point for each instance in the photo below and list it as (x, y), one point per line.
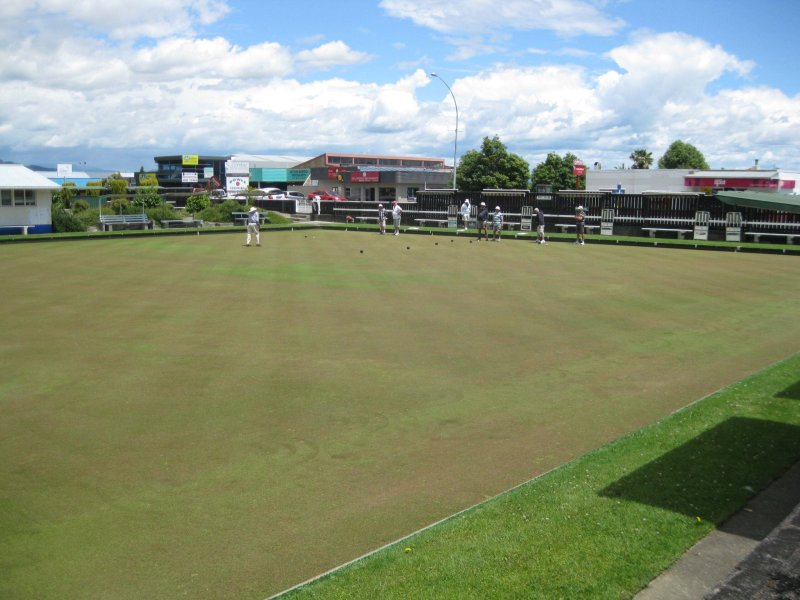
(251, 229)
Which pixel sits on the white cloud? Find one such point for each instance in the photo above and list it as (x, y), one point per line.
(565, 17)
(330, 55)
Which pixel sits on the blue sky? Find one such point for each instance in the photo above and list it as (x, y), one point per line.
(113, 83)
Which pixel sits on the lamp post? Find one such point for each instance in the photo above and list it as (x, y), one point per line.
(455, 142)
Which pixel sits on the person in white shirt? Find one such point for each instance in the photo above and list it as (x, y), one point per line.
(382, 218)
(397, 214)
(253, 225)
(465, 210)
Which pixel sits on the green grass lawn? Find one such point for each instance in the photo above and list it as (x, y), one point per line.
(185, 416)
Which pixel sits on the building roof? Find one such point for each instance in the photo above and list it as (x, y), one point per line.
(270, 160)
(736, 173)
(21, 177)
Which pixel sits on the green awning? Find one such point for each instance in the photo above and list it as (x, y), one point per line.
(784, 202)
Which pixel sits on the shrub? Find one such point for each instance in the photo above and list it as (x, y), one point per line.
(80, 206)
(197, 203)
(147, 196)
(220, 213)
(64, 221)
(162, 212)
(89, 217)
(119, 205)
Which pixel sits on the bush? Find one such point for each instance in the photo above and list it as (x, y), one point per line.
(147, 197)
(162, 212)
(220, 213)
(89, 217)
(64, 221)
(197, 203)
(80, 206)
(119, 205)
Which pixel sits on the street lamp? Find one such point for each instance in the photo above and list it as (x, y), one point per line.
(455, 143)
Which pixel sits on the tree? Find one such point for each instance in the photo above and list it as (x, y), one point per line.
(642, 159)
(681, 155)
(557, 172)
(492, 168)
(116, 184)
(147, 196)
(197, 202)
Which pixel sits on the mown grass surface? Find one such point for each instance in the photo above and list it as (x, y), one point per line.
(185, 416)
(604, 525)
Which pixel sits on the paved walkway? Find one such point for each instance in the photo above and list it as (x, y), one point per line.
(754, 555)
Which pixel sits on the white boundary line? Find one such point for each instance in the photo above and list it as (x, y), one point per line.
(511, 489)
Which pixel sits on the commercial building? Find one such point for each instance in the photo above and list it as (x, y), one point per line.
(26, 199)
(639, 181)
(374, 178)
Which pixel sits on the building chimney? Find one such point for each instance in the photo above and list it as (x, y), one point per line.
(756, 164)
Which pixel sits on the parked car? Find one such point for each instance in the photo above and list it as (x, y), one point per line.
(326, 195)
(262, 194)
(293, 195)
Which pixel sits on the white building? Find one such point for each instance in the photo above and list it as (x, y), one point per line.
(638, 181)
(25, 200)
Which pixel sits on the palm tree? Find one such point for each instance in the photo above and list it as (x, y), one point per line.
(642, 159)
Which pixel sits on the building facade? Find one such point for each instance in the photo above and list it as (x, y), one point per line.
(375, 178)
(26, 200)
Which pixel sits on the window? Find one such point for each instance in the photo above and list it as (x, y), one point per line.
(5, 197)
(24, 198)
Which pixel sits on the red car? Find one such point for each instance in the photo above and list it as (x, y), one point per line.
(325, 195)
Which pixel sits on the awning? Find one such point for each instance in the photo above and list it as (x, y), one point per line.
(783, 202)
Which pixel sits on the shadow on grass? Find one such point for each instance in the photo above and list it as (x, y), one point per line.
(792, 392)
(715, 473)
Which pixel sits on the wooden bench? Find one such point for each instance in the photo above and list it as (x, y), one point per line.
(757, 235)
(168, 223)
(107, 222)
(437, 222)
(680, 232)
(23, 228)
(240, 218)
(565, 227)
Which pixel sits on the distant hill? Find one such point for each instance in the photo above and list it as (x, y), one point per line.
(31, 167)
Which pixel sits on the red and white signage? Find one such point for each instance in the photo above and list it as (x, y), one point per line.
(237, 184)
(365, 177)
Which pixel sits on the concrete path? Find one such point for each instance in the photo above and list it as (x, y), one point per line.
(767, 571)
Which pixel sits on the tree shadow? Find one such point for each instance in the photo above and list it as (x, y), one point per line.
(713, 474)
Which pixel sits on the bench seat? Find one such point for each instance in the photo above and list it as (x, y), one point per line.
(108, 222)
(680, 232)
(757, 235)
(564, 227)
(168, 223)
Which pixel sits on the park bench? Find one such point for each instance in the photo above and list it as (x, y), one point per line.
(565, 227)
(364, 219)
(757, 235)
(653, 230)
(240, 218)
(435, 221)
(168, 223)
(23, 228)
(108, 222)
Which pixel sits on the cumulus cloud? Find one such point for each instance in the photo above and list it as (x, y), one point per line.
(566, 17)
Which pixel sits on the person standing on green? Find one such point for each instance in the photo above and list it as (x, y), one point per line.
(497, 224)
(580, 222)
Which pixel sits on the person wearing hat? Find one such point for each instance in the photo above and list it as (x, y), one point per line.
(497, 223)
(382, 218)
(397, 215)
(580, 221)
(465, 210)
(253, 226)
(539, 225)
(483, 221)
